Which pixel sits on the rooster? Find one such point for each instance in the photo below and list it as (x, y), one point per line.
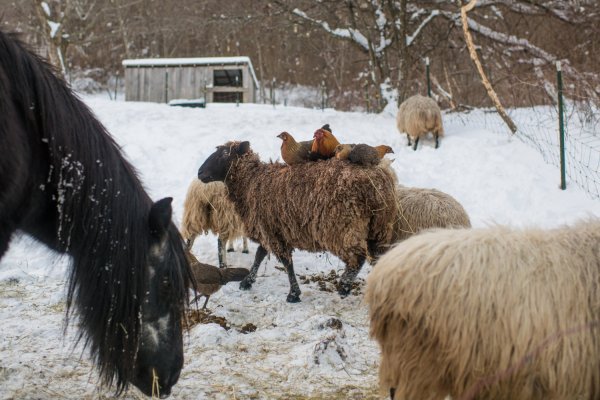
(293, 152)
(324, 143)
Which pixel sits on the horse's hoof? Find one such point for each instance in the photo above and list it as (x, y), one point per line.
(230, 250)
(293, 298)
(246, 285)
(245, 251)
(223, 265)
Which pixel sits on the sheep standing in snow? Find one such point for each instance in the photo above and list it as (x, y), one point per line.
(422, 209)
(332, 205)
(489, 313)
(417, 116)
(208, 209)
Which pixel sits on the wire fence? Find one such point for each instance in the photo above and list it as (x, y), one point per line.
(538, 126)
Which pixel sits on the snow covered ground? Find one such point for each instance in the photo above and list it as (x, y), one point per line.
(318, 348)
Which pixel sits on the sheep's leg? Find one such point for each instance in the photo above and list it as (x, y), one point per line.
(260, 255)
(230, 246)
(352, 269)
(437, 140)
(294, 294)
(416, 143)
(409, 141)
(221, 252)
(245, 244)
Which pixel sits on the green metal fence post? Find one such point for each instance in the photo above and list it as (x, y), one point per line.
(428, 79)
(322, 95)
(166, 85)
(273, 92)
(561, 126)
(116, 85)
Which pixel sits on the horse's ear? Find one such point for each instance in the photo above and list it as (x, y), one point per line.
(160, 216)
(243, 148)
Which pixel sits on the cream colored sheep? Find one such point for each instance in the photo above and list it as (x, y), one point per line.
(207, 209)
(417, 116)
(422, 209)
(493, 313)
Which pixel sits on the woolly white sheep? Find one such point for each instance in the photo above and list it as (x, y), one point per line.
(421, 209)
(417, 116)
(208, 209)
(490, 313)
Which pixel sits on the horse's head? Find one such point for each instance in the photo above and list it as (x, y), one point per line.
(217, 165)
(160, 352)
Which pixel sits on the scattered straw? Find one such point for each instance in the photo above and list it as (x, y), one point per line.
(155, 386)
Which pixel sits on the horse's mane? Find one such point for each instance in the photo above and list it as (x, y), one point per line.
(100, 210)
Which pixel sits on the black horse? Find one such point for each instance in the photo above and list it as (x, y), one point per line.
(64, 181)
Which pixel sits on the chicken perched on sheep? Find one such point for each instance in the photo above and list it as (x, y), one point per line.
(293, 152)
(362, 154)
(417, 116)
(324, 143)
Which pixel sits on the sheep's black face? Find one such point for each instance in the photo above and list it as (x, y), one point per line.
(216, 166)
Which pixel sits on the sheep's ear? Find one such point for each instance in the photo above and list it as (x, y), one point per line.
(243, 148)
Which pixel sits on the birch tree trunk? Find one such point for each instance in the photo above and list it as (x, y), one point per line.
(473, 53)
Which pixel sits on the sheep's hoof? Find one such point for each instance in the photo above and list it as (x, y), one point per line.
(230, 250)
(293, 298)
(246, 284)
(245, 251)
(223, 265)
(344, 290)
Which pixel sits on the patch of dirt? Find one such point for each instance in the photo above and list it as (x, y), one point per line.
(196, 317)
(249, 327)
(206, 316)
(328, 282)
(332, 323)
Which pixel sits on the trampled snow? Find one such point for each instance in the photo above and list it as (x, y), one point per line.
(319, 348)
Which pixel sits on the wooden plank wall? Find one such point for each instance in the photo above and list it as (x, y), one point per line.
(148, 84)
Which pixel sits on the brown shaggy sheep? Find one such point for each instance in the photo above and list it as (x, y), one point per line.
(417, 116)
(208, 209)
(330, 205)
(490, 313)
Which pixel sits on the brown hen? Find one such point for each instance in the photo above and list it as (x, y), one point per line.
(362, 154)
(209, 278)
(293, 152)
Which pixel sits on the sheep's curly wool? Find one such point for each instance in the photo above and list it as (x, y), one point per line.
(490, 313)
(207, 208)
(418, 115)
(421, 209)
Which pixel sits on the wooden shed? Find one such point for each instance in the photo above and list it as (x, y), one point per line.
(214, 79)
